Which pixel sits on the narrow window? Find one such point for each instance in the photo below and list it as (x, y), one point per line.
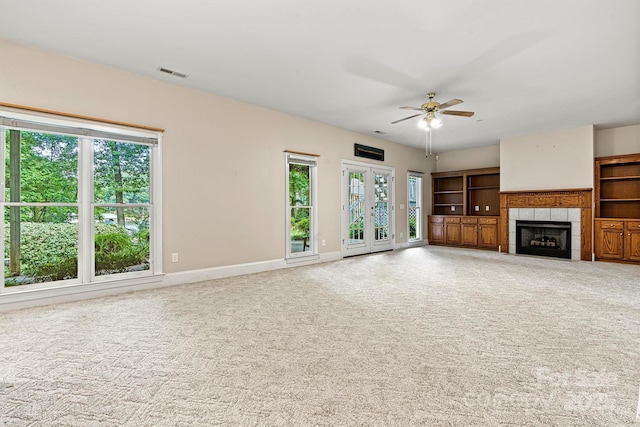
(414, 186)
(301, 215)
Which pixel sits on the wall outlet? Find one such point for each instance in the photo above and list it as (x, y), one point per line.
(486, 208)
(477, 208)
(401, 205)
(324, 242)
(453, 208)
(174, 257)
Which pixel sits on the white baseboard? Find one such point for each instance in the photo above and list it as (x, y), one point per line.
(26, 298)
(405, 245)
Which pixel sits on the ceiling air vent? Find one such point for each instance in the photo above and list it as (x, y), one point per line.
(173, 73)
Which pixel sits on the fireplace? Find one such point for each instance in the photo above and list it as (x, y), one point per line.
(544, 238)
(571, 205)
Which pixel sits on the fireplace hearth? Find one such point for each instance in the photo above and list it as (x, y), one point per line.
(544, 238)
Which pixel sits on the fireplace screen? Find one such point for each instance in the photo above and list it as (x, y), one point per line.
(544, 238)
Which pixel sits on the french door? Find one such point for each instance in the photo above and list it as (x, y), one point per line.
(367, 208)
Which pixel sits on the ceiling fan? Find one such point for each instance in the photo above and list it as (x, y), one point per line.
(429, 110)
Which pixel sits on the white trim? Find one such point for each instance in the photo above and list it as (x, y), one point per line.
(24, 298)
(311, 162)
(61, 294)
(85, 211)
(419, 216)
(155, 243)
(369, 244)
(307, 259)
(35, 118)
(411, 244)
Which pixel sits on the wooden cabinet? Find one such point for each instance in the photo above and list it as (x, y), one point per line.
(632, 241)
(617, 203)
(436, 230)
(466, 208)
(468, 231)
(618, 240)
(488, 233)
(452, 231)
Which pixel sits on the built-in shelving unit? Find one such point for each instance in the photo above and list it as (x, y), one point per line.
(617, 203)
(466, 208)
(483, 194)
(618, 186)
(474, 192)
(448, 194)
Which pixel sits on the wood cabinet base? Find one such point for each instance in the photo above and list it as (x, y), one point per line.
(617, 240)
(464, 231)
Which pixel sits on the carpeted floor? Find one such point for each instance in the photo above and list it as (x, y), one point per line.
(427, 336)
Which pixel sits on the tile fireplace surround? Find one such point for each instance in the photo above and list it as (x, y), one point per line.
(571, 215)
(549, 205)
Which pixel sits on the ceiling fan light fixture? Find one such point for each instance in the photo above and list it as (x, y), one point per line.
(431, 114)
(435, 123)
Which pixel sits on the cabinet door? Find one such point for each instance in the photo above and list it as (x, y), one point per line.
(609, 243)
(632, 241)
(488, 236)
(452, 234)
(470, 234)
(436, 232)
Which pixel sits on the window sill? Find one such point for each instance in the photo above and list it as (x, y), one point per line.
(302, 259)
(15, 298)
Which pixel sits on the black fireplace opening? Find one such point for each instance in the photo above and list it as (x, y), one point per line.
(544, 238)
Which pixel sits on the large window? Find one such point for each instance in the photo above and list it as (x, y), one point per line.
(301, 181)
(414, 186)
(78, 202)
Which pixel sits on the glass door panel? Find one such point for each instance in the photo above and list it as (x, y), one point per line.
(357, 204)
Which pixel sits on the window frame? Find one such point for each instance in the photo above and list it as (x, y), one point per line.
(312, 162)
(86, 131)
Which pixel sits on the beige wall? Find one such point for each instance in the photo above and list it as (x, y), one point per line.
(483, 157)
(546, 161)
(223, 160)
(617, 141)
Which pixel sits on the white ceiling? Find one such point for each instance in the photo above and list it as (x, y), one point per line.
(522, 66)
